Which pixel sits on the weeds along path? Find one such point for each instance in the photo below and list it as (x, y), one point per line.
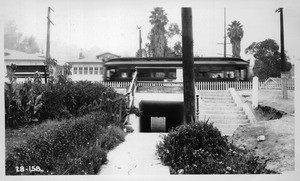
(135, 156)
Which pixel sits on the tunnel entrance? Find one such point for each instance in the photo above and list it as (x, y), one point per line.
(160, 116)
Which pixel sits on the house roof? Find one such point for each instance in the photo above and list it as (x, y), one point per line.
(108, 53)
(86, 60)
(18, 55)
(274, 79)
(93, 59)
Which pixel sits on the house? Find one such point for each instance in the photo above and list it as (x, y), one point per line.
(26, 64)
(107, 56)
(275, 83)
(89, 67)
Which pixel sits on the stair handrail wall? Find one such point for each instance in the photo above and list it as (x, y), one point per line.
(244, 106)
(197, 103)
(130, 93)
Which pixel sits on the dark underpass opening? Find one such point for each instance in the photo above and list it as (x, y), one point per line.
(160, 116)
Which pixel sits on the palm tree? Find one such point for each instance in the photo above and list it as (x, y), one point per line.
(157, 36)
(235, 32)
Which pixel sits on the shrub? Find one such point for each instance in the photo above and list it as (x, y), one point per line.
(71, 147)
(61, 100)
(113, 136)
(22, 104)
(199, 148)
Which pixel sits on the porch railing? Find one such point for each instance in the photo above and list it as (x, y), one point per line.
(238, 85)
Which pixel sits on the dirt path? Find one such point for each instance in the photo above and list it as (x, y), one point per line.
(279, 144)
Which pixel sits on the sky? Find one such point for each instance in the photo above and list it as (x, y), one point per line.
(111, 25)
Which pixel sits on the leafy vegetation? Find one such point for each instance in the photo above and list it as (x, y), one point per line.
(33, 101)
(76, 146)
(13, 41)
(159, 36)
(89, 125)
(235, 32)
(267, 59)
(199, 148)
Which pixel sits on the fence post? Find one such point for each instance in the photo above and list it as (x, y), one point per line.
(255, 92)
(284, 85)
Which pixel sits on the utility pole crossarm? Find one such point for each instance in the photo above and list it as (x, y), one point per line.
(50, 21)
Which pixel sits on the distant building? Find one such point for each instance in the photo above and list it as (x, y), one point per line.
(27, 64)
(89, 68)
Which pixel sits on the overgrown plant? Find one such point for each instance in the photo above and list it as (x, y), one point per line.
(199, 148)
(76, 146)
(22, 103)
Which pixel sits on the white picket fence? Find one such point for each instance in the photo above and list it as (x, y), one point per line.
(238, 85)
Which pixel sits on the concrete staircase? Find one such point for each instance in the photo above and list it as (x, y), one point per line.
(220, 108)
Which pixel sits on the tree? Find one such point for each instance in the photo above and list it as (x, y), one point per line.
(178, 48)
(12, 39)
(235, 32)
(173, 30)
(29, 45)
(158, 36)
(11, 36)
(267, 59)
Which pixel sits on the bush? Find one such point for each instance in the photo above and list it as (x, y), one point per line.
(33, 101)
(199, 148)
(72, 147)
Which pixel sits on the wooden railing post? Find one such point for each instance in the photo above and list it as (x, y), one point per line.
(255, 92)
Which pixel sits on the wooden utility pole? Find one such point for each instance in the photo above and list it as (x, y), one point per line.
(188, 65)
(225, 36)
(284, 74)
(140, 42)
(48, 37)
(224, 32)
(282, 54)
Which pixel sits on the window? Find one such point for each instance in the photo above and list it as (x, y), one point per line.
(172, 74)
(96, 70)
(230, 74)
(85, 71)
(75, 70)
(216, 75)
(160, 74)
(101, 70)
(124, 75)
(80, 70)
(91, 70)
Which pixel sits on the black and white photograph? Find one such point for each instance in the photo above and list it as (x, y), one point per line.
(149, 89)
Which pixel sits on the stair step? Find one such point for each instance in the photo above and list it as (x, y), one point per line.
(229, 121)
(216, 111)
(218, 100)
(215, 94)
(217, 104)
(204, 107)
(219, 108)
(217, 91)
(217, 97)
(222, 116)
(227, 126)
